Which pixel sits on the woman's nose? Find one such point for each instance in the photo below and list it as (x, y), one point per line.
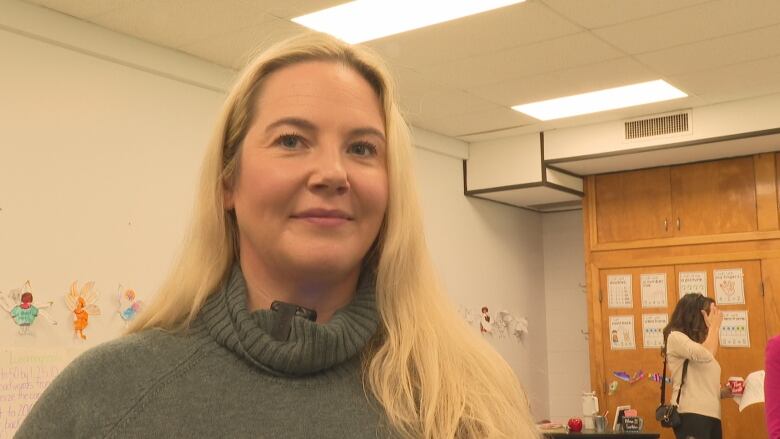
(328, 172)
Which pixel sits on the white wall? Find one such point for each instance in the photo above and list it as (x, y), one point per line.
(567, 347)
(488, 254)
(98, 157)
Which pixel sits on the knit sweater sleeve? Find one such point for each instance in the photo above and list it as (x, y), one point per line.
(681, 346)
(772, 387)
(98, 390)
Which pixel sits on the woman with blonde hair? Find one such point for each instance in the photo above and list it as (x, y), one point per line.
(303, 302)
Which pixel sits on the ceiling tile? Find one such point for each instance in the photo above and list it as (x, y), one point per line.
(495, 118)
(738, 81)
(607, 74)
(717, 52)
(176, 23)
(83, 9)
(295, 8)
(593, 14)
(234, 49)
(696, 23)
(547, 56)
(484, 33)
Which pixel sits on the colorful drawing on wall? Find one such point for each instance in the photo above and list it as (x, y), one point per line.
(729, 286)
(485, 326)
(657, 377)
(82, 304)
(613, 386)
(19, 304)
(129, 305)
(638, 375)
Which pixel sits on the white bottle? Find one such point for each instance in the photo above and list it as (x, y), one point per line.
(590, 407)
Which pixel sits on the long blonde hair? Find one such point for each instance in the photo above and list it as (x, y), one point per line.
(433, 376)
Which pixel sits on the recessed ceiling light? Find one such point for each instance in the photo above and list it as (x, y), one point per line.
(364, 20)
(602, 100)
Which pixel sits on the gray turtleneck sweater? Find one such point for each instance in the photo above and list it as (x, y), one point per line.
(225, 378)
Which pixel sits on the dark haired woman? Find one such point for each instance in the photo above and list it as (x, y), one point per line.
(692, 334)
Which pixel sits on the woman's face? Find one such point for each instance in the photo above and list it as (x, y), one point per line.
(311, 191)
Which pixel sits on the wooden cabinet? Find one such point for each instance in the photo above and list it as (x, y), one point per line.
(633, 205)
(728, 214)
(707, 198)
(714, 197)
(643, 394)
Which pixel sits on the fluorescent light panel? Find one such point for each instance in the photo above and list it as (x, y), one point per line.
(602, 100)
(364, 20)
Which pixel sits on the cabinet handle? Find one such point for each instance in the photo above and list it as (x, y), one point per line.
(666, 225)
(678, 223)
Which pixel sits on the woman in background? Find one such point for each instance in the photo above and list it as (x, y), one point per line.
(692, 334)
(303, 303)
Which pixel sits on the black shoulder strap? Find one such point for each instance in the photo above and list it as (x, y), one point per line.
(663, 382)
(682, 382)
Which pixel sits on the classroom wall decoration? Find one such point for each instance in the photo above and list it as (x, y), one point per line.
(729, 286)
(653, 330)
(619, 291)
(691, 282)
(19, 304)
(734, 331)
(653, 289)
(621, 332)
(82, 304)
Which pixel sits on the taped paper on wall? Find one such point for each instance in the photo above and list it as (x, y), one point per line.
(619, 291)
(653, 330)
(621, 332)
(24, 375)
(653, 287)
(734, 330)
(729, 286)
(692, 282)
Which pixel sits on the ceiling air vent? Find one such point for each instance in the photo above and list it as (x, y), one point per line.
(663, 125)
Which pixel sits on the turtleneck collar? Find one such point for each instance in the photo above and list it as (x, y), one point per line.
(310, 348)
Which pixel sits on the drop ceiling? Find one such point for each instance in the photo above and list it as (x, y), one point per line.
(460, 78)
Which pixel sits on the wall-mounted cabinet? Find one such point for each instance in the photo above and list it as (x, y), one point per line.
(650, 207)
(704, 218)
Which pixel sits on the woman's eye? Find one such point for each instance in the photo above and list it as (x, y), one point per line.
(289, 141)
(362, 149)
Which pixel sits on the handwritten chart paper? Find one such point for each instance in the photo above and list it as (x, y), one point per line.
(653, 330)
(621, 332)
(693, 282)
(729, 286)
(619, 293)
(24, 375)
(734, 331)
(653, 287)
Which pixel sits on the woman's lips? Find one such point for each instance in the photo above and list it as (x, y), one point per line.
(324, 217)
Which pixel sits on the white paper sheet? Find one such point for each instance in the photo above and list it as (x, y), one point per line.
(24, 375)
(621, 332)
(653, 287)
(754, 390)
(734, 330)
(653, 330)
(690, 282)
(729, 286)
(619, 291)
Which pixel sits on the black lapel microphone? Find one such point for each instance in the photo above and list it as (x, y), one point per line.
(286, 311)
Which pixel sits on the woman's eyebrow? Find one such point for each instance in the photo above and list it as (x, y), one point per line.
(309, 126)
(368, 131)
(294, 121)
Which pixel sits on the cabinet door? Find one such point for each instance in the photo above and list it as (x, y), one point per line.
(740, 361)
(714, 197)
(633, 205)
(643, 394)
